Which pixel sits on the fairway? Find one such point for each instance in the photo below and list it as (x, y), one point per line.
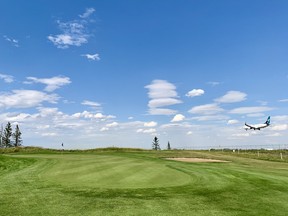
(140, 183)
(104, 171)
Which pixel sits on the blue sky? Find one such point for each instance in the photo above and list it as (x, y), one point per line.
(117, 73)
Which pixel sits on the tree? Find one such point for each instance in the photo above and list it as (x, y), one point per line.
(168, 146)
(17, 137)
(155, 144)
(6, 139)
(1, 135)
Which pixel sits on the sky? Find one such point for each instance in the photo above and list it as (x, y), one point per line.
(93, 74)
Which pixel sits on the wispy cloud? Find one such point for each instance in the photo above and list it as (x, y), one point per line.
(247, 110)
(91, 103)
(147, 131)
(213, 83)
(232, 97)
(283, 100)
(13, 41)
(87, 13)
(162, 111)
(239, 135)
(52, 83)
(95, 105)
(280, 127)
(232, 121)
(210, 118)
(207, 109)
(73, 33)
(25, 99)
(162, 94)
(7, 78)
(93, 57)
(195, 92)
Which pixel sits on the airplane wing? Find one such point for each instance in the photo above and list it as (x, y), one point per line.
(250, 127)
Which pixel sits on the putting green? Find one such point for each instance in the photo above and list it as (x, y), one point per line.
(109, 171)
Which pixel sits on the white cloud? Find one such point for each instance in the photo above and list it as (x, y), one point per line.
(73, 33)
(232, 97)
(241, 135)
(161, 102)
(113, 124)
(247, 110)
(147, 131)
(210, 118)
(161, 89)
(63, 41)
(283, 100)
(279, 127)
(195, 92)
(232, 121)
(91, 103)
(15, 117)
(49, 134)
(99, 116)
(7, 78)
(255, 115)
(150, 124)
(91, 115)
(162, 94)
(178, 118)
(189, 133)
(48, 111)
(207, 109)
(87, 13)
(93, 57)
(274, 135)
(52, 83)
(281, 118)
(13, 41)
(104, 129)
(25, 99)
(176, 125)
(162, 111)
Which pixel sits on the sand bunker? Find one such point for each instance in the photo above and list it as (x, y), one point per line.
(197, 160)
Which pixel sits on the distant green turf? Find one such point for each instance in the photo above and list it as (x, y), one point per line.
(140, 183)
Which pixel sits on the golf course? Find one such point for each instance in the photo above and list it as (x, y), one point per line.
(140, 182)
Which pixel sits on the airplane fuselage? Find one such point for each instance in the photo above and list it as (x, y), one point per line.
(258, 126)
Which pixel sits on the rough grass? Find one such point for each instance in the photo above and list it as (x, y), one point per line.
(140, 183)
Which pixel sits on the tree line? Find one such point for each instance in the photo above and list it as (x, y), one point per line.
(8, 138)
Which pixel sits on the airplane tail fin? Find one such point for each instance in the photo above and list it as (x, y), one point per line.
(268, 121)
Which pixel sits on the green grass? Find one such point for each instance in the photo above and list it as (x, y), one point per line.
(135, 182)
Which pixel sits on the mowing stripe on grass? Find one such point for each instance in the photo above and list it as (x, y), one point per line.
(110, 172)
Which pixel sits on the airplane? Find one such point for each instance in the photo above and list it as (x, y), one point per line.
(258, 126)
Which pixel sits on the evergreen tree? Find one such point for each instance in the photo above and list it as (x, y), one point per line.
(168, 146)
(6, 139)
(17, 137)
(155, 144)
(1, 135)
